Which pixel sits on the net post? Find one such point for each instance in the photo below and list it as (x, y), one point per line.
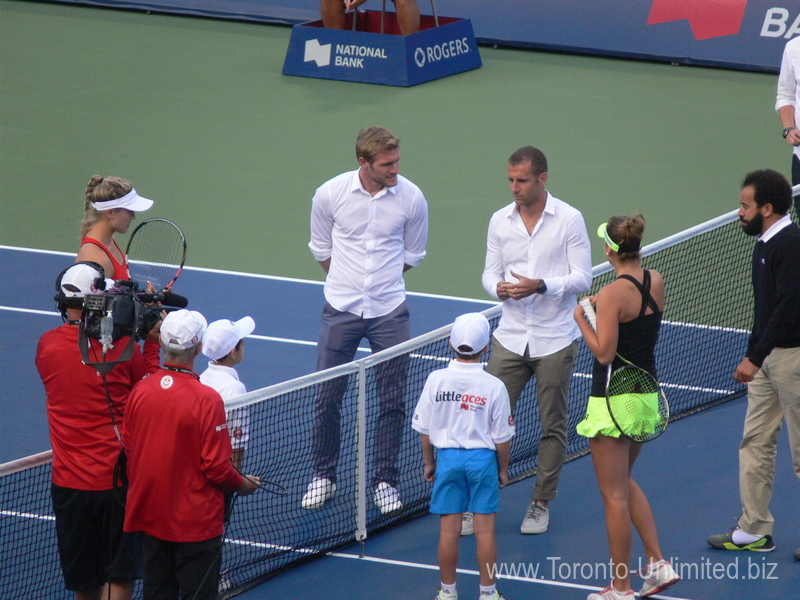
(361, 455)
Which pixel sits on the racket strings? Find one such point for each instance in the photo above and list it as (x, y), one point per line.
(637, 404)
(156, 252)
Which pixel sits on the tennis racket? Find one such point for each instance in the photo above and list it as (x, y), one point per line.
(156, 253)
(635, 400)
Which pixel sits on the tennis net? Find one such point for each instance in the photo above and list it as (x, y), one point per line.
(706, 321)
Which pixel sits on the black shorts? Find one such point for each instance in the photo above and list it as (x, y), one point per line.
(91, 544)
(181, 569)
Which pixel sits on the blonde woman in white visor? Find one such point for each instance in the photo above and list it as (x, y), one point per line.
(111, 206)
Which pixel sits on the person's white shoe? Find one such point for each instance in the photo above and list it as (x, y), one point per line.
(537, 518)
(659, 577)
(467, 526)
(609, 593)
(387, 498)
(320, 490)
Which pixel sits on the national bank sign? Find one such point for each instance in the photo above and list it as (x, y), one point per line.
(368, 57)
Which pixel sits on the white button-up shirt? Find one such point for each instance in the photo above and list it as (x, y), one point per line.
(557, 252)
(788, 88)
(368, 239)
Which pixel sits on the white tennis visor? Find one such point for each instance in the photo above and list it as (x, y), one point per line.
(130, 201)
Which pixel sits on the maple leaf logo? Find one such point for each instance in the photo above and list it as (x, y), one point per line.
(707, 18)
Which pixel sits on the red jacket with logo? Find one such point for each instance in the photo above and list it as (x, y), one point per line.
(178, 447)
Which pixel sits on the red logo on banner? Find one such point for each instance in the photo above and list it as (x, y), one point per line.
(707, 18)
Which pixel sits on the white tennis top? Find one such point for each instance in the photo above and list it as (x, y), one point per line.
(369, 239)
(558, 252)
(463, 406)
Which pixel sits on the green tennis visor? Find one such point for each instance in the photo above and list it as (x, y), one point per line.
(602, 232)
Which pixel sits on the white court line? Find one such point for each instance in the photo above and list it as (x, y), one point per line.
(542, 581)
(675, 386)
(385, 561)
(404, 563)
(260, 276)
(22, 515)
(49, 313)
(266, 338)
(256, 337)
(708, 327)
(442, 359)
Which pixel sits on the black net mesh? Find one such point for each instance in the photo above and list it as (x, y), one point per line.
(29, 556)
(708, 312)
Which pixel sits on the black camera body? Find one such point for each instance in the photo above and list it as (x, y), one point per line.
(121, 311)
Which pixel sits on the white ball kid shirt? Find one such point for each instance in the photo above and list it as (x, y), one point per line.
(463, 406)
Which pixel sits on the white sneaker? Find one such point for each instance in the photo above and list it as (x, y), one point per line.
(610, 593)
(387, 498)
(224, 585)
(659, 577)
(320, 490)
(467, 527)
(537, 518)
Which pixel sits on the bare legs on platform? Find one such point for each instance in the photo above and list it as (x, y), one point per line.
(333, 14)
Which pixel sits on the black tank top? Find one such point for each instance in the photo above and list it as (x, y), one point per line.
(637, 338)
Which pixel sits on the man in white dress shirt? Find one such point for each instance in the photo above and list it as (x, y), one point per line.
(368, 227)
(787, 104)
(538, 258)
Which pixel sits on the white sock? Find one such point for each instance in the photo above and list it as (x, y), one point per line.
(488, 590)
(741, 537)
(449, 588)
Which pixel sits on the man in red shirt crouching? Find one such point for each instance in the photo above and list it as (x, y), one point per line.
(179, 465)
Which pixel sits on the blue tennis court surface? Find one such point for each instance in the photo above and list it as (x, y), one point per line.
(690, 473)
(282, 347)
(690, 477)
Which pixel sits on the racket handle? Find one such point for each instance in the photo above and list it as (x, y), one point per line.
(589, 310)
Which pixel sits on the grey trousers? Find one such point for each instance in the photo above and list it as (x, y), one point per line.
(339, 337)
(553, 378)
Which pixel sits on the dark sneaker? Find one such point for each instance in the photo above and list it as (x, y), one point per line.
(725, 542)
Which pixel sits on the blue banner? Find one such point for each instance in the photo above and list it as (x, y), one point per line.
(743, 34)
(368, 56)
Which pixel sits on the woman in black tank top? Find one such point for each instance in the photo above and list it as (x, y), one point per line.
(628, 319)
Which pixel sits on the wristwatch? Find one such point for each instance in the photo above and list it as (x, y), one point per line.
(542, 286)
(786, 132)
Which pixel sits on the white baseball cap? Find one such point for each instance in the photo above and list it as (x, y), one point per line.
(470, 333)
(183, 329)
(81, 279)
(130, 201)
(222, 336)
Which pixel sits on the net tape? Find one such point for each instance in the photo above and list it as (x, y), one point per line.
(704, 332)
